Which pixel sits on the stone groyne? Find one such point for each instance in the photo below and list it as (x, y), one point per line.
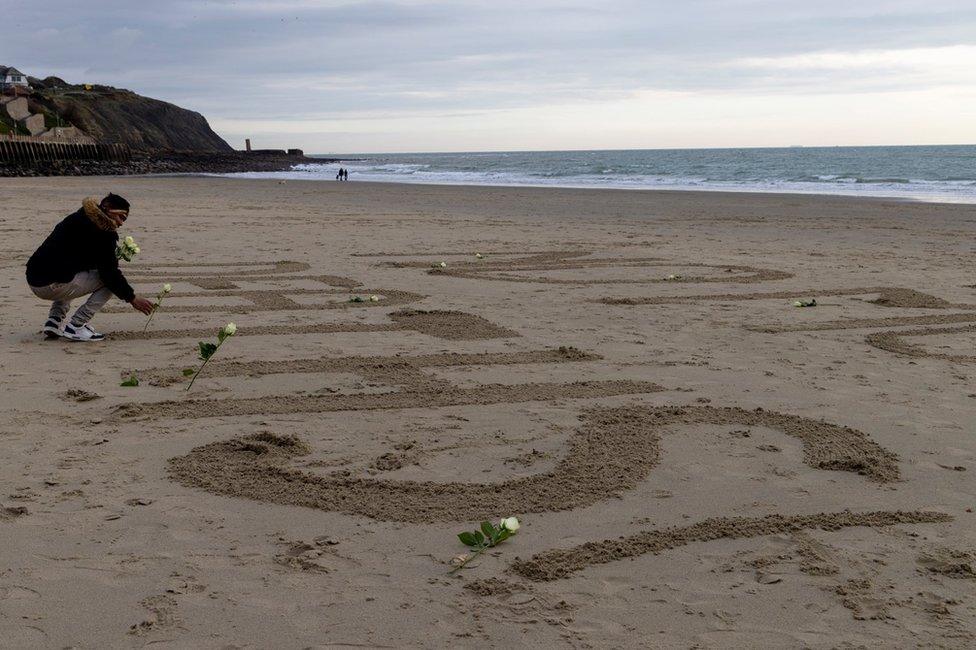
(28, 157)
(35, 152)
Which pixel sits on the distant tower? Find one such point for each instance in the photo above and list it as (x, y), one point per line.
(247, 144)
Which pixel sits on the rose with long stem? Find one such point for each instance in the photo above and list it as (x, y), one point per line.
(159, 300)
(208, 350)
(488, 537)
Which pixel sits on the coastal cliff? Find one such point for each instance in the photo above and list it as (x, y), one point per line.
(50, 127)
(115, 115)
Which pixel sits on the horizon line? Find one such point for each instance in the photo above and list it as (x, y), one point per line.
(751, 148)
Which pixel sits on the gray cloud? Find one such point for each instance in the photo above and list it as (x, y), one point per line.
(253, 60)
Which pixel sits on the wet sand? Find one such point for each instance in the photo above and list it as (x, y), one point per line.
(696, 462)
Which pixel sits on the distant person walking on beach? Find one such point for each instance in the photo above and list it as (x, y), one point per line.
(345, 174)
(339, 175)
(77, 259)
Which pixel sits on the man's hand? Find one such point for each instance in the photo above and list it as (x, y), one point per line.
(141, 304)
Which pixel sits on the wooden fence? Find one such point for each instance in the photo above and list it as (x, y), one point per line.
(20, 152)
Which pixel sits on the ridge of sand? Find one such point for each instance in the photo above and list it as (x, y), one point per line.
(569, 260)
(278, 266)
(887, 297)
(277, 300)
(561, 563)
(752, 274)
(228, 278)
(547, 254)
(399, 370)
(436, 398)
(893, 341)
(221, 282)
(865, 323)
(450, 325)
(531, 257)
(612, 451)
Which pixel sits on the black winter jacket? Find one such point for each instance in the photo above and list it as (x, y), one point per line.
(76, 245)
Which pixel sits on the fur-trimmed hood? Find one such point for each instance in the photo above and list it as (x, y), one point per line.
(98, 217)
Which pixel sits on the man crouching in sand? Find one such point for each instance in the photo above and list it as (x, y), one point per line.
(78, 258)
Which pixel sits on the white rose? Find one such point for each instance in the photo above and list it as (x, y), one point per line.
(129, 241)
(229, 329)
(136, 250)
(478, 255)
(374, 298)
(510, 523)
(443, 265)
(167, 287)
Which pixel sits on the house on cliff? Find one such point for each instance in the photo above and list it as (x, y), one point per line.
(12, 78)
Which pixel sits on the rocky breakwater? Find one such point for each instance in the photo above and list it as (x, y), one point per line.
(161, 162)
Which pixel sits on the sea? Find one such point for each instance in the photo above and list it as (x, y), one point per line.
(926, 173)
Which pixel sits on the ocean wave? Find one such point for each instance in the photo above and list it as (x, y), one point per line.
(895, 181)
(864, 171)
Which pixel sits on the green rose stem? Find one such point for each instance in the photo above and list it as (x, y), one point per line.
(208, 350)
(159, 300)
(489, 536)
(471, 557)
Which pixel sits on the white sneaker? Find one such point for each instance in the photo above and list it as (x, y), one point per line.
(81, 333)
(53, 328)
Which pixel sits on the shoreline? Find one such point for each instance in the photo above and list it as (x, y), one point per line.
(718, 190)
(277, 169)
(233, 176)
(667, 199)
(556, 188)
(564, 204)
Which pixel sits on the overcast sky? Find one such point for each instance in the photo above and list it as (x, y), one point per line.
(458, 75)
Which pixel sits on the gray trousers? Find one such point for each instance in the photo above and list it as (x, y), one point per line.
(62, 293)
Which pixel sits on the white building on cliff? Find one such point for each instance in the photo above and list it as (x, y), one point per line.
(12, 77)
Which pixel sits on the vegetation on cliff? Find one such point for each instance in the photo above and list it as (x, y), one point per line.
(115, 115)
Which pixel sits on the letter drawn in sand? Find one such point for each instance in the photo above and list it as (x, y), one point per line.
(646, 270)
(416, 388)
(887, 297)
(225, 283)
(891, 341)
(561, 563)
(280, 300)
(231, 272)
(894, 341)
(612, 451)
(450, 325)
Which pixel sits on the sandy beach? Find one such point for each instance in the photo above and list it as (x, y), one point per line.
(695, 461)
